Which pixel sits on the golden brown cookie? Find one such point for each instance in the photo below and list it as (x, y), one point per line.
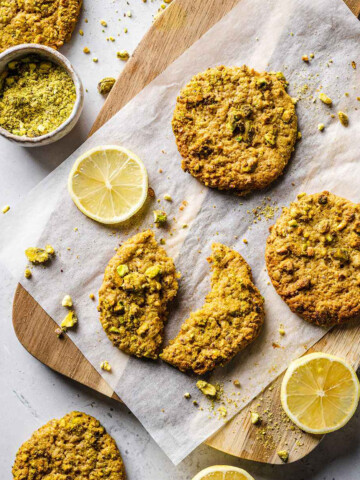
(49, 22)
(313, 258)
(139, 282)
(235, 128)
(230, 319)
(73, 447)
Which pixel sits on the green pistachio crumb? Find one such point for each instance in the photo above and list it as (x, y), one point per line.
(255, 418)
(105, 85)
(153, 271)
(27, 273)
(122, 270)
(206, 388)
(160, 217)
(284, 455)
(321, 127)
(105, 366)
(123, 55)
(69, 321)
(67, 301)
(325, 99)
(344, 119)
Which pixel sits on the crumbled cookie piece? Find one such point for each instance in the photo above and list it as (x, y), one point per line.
(230, 319)
(139, 282)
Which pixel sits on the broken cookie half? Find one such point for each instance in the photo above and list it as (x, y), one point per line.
(230, 319)
(139, 282)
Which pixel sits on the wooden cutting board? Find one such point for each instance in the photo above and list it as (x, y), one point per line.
(181, 24)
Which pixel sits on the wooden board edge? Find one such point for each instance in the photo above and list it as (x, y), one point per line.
(342, 341)
(66, 359)
(127, 77)
(159, 48)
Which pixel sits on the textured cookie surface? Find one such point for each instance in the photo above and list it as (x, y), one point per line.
(138, 283)
(49, 22)
(235, 128)
(73, 447)
(230, 319)
(313, 258)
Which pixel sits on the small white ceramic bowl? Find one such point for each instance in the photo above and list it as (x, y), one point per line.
(55, 57)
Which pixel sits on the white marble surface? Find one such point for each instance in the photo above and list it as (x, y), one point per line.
(30, 393)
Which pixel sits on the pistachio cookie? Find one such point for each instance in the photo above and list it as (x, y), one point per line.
(139, 282)
(313, 258)
(230, 319)
(75, 446)
(49, 22)
(235, 128)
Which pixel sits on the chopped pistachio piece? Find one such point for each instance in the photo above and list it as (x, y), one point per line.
(37, 255)
(86, 50)
(27, 273)
(153, 271)
(59, 332)
(168, 197)
(123, 55)
(67, 301)
(262, 83)
(255, 418)
(325, 99)
(321, 127)
(49, 249)
(236, 383)
(284, 455)
(105, 85)
(105, 366)
(69, 321)
(92, 296)
(206, 388)
(270, 139)
(114, 330)
(103, 23)
(160, 217)
(5, 209)
(293, 223)
(122, 270)
(281, 332)
(344, 119)
(222, 411)
(187, 395)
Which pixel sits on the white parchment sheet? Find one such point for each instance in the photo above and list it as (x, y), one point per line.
(264, 34)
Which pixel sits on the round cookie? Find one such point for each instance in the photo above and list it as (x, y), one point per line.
(235, 128)
(75, 446)
(49, 22)
(313, 258)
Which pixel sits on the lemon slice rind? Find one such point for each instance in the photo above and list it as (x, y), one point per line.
(222, 469)
(115, 219)
(303, 361)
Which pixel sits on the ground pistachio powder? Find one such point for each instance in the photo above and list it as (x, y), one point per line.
(36, 96)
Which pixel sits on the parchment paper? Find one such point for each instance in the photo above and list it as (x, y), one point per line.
(264, 34)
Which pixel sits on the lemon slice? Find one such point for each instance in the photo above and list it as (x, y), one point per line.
(223, 472)
(108, 184)
(320, 392)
